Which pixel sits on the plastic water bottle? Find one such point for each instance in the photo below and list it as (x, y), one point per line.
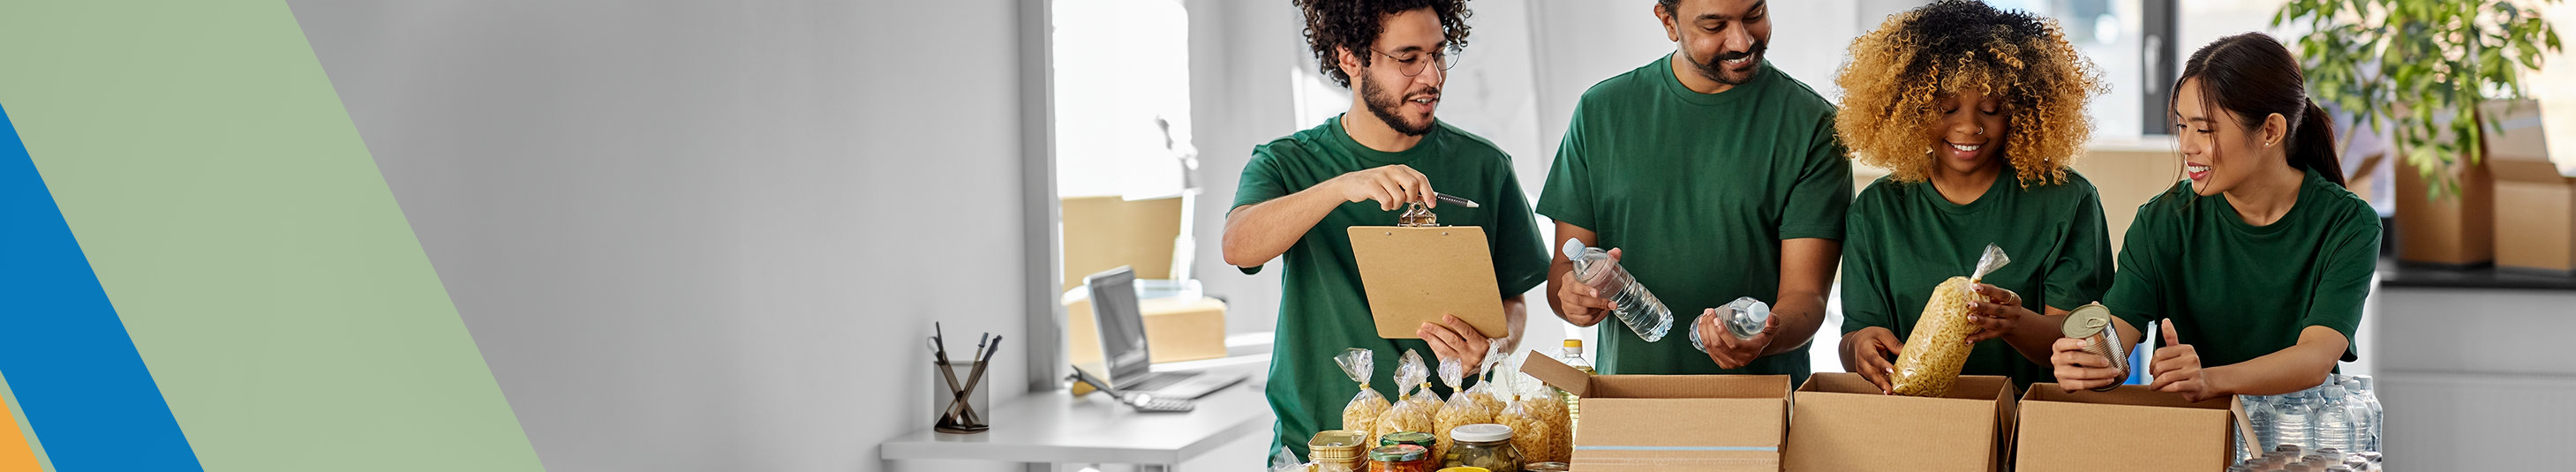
(2371, 427)
(2260, 412)
(2290, 423)
(1743, 318)
(1637, 307)
(2334, 419)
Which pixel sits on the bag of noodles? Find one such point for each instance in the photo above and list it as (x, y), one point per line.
(1938, 347)
(1362, 413)
(1410, 412)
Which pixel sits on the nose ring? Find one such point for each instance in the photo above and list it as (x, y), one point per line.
(1981, 130)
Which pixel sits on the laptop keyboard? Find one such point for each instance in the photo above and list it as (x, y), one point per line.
(1157, 380)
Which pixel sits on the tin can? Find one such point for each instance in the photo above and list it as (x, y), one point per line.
(1339, 449)
(2092, 323)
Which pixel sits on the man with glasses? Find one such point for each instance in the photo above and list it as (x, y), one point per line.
(1300, 193)
(1715, 176)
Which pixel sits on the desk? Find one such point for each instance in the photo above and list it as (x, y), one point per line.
(1055, 427)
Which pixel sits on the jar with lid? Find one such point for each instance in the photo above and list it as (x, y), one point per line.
(1400, 458)
(1339, 451)
(1545, 467)
(1416, 438)
(1483, 445)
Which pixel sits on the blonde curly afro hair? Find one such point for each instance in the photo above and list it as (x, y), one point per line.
(1895, 74)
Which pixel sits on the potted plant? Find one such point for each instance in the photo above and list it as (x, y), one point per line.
(2418, 72)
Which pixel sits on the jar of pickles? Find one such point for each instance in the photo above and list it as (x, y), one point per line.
(1339, 451)
(1416, 438)
(1400, 458)
(1488, 446)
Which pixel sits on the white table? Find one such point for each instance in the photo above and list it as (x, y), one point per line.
(1046, 428)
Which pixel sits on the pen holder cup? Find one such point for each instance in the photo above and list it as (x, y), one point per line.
(943, 395)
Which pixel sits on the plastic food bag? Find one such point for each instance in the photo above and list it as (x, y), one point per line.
(1283, 461)
(1531, 432)
(1546, 403)
(1410, 412)
(1460, 410)
(1365, 408)
(1938, 346)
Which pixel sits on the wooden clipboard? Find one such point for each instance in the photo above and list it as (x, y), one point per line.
(1414, 274)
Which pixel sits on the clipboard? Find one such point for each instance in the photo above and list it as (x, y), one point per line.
(1413, 274)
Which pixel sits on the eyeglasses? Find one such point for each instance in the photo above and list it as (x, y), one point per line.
(1413, 64)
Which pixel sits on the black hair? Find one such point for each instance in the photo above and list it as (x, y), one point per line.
(1335, 24)
(2253, 76)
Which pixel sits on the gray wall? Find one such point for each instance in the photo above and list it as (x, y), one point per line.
(702, 235)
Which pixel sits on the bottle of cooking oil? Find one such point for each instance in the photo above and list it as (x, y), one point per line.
(1573, 355)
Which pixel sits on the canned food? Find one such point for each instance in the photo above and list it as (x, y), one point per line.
(2092, 323)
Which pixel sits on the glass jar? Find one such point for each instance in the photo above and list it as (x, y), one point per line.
(1483, 445)
(1545, 467)
(1338, 451)
(1400, 458)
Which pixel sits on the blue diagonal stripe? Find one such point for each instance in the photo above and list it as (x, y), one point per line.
(75, 373)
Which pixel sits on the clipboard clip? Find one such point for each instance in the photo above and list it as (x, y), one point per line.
(1417, 215)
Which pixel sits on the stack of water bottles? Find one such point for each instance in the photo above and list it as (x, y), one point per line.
(2338, 418)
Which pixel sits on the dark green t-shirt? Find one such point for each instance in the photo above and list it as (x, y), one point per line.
(1698, 190)
(1322, 308)
(2236, 291)
(1904, 239)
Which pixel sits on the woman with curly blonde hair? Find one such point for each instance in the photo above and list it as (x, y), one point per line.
(1977, 114)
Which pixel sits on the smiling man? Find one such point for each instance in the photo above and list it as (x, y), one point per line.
(1715, 176)
(1300, 193)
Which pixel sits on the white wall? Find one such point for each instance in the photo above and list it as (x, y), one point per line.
(698, 236)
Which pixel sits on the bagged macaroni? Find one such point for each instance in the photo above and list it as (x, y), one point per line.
(1362, 413)
(1549, 406)
(1531, 432)
(1460, 410)
(1938, 346)
(1411, 411)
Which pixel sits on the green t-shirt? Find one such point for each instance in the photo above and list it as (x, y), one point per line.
(1322, 308)
(1906, 239)
(1698, 190)
(2236, 291)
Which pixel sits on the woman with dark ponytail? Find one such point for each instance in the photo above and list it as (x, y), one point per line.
(2258, 264)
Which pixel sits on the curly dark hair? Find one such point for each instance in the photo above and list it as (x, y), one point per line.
(1355, 24)
(1897, 71)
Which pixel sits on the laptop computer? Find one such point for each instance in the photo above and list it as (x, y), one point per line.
(1121, 324)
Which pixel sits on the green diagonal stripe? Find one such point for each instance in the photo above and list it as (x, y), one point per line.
(244, 235)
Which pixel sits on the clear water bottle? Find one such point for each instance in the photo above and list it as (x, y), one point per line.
(1637, 307)
(2366, 390)
(2260, 413)
(1743, 318)
(2334, 420)
(2290, 424)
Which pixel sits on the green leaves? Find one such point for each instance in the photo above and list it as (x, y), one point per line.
(2418, 69)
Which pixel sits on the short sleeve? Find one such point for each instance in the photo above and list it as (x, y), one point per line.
(2350, 261)
(1520, 256)
(1568, 196)
(1864, 290)
(2081, 272)
(1822, 190)
(2137, 291)
(1260, 182)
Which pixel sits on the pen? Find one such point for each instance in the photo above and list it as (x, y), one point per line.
(1455, 200)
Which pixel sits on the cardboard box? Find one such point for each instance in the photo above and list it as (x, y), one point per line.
(1102, 233)
(1673, 422)
(2132, 428)
(2537, 229)
(1175, 330)
(1840, 422)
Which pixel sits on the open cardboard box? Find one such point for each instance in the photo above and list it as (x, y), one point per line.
(1841, 422)
(1673, 422)
(2535, 227)
(2132, 428)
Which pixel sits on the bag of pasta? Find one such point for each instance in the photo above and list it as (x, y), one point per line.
(1460, 410)
(1938, 347)
(1532, 433)
(1484, 393)
(1362, 413)
(1412, 410)
(1548, 403)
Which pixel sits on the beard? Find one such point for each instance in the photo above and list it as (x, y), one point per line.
(1383, 105)
(1714, 71)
